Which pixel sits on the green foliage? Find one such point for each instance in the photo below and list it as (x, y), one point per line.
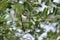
(7, 32)
(3, 5)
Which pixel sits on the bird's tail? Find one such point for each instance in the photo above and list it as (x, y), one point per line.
(23, 27)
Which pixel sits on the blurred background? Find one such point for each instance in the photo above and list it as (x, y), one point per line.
(29, 19)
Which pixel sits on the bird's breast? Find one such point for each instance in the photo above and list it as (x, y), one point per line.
(24, 18)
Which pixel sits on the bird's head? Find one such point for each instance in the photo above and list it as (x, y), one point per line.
(24, 13)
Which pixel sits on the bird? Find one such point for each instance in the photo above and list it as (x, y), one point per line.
(24, 20)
